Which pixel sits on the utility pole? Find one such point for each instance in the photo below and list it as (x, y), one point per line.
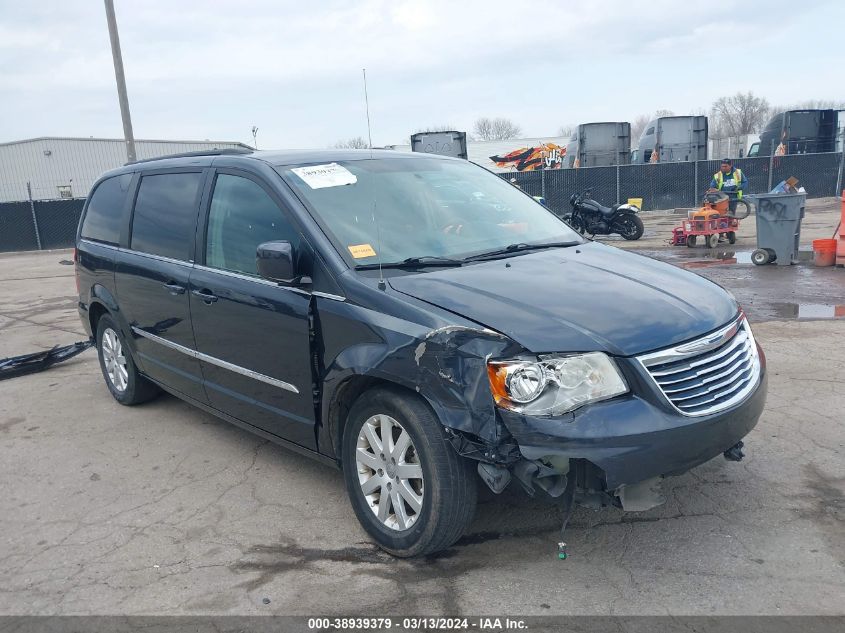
(121, 82)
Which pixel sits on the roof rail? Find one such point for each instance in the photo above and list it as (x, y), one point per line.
(228, 151)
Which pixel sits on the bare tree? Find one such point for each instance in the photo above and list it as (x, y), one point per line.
(505, 129)
(358, 142)
(483, 129)
(743, 113)
(638, 126)
(565, 131)
(716, 127)
(663, 112)
(498, 129)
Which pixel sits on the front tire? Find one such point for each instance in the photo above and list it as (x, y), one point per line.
(629, 226)
(577, 224)
(122, 377)
(411, 492)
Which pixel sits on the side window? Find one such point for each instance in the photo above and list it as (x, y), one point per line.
(241, 217)
(104, 216)
(649, 131)
(165, 215)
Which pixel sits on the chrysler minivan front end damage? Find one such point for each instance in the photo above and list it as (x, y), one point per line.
(616, 413)
(615, 425)
(414, 320)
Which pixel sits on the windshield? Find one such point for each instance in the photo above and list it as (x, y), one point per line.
(402, 208)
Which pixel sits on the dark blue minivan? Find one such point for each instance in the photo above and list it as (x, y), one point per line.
(418, 322)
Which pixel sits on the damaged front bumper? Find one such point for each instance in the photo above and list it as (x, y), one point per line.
(632, 441)
(39, 361)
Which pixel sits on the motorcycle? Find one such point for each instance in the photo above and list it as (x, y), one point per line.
(589, 217)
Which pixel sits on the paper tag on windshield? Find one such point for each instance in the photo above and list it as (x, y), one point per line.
(360, 251)
(321, 176)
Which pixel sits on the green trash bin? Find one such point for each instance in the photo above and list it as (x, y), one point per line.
(778, 217)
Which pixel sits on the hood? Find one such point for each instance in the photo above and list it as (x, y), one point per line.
(586, 298)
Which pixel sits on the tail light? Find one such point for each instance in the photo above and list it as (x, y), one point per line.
(76, 268)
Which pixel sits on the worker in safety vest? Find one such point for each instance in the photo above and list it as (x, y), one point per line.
(729, 179)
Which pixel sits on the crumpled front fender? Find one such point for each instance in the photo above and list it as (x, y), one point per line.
(446, 365)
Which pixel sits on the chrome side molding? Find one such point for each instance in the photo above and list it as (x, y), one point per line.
(249, 373)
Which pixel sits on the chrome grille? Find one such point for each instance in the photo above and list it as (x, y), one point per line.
(709, 374)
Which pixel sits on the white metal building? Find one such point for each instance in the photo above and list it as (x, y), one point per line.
(59, 167)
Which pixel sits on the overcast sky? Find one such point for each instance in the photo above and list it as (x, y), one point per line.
(212, 69)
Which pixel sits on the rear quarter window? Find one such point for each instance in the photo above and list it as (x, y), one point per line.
(104, 216)
(165, 215)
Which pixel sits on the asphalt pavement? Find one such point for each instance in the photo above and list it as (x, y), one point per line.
(164, 509)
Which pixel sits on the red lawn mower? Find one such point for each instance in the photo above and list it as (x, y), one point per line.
(718, 216)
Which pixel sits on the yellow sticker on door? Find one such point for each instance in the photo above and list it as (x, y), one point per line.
(360, 251)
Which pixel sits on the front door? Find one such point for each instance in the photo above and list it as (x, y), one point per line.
(252, 335)
(152, 278)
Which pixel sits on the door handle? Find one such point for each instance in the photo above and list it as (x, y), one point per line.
(206, 295)
(174, 288)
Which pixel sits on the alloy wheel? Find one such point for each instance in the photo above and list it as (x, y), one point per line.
(114, 360)
(389, 472)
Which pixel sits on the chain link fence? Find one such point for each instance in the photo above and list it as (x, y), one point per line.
(817, 173)
(47, 224)
(755, 169)
(17, 228)
(57, 221)
(664, 186)
(39, 224)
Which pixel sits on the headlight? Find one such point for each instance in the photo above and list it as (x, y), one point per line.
(553, 386)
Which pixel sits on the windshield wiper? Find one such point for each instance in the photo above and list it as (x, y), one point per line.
(516, 248)
(414, 262)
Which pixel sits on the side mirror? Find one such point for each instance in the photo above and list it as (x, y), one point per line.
(275, 261)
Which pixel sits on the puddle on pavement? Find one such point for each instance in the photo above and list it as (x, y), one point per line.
(647, 233)
(756, 286)
(714, 258)
(808, 311)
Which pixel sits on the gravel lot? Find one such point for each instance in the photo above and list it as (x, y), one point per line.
(163, 509)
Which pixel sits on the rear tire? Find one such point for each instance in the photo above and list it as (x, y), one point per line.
(691, 240)
(629, 226)
(712, 240)
(122, 377)
(428, 491)
(731, 237)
